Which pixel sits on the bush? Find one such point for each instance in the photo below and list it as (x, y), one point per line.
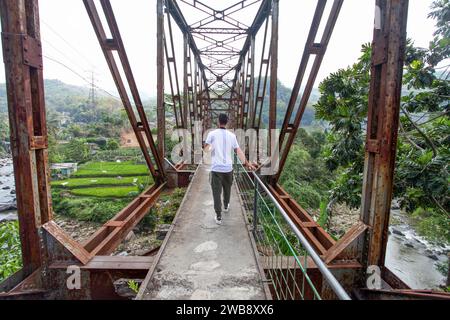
(304, 194)
(169, 205)
(85, 209)
(76, 151)
(10, 252)
(112, 144)
(432, 225)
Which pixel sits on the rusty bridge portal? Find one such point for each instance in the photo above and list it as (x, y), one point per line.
(229, 61)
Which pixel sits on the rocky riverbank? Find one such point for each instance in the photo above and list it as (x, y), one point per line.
(8, 204)
(418, 262)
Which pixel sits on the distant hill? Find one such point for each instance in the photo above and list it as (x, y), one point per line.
(70, 99)
(60, 96)
(283, 96)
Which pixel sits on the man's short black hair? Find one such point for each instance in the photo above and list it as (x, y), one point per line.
(223, 119)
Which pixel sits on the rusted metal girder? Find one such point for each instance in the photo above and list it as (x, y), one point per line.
(274, 69)
(174, 10)
(289, 129)
(160, 103)
(239, 86)
(410, 295)
(110, 235)
(262, 81)
(382, 127)
(245, 92)
(172, 71)
(220, 53)
(316, 235)
(22, 54)
(139, 123)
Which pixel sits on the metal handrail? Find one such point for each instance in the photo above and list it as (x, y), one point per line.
(334, 284)
(329, 277)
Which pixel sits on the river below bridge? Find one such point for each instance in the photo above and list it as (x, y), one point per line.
(412, 258)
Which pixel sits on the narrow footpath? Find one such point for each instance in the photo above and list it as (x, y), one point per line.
(203, 261)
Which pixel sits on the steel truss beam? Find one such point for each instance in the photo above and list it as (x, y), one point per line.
(262, 80)
(28, 131)
(245, 72)
(160, 101)
(219, 52)
(289, 129)
(382, 128)
(172, 71)
(110, 235)
(139, 122)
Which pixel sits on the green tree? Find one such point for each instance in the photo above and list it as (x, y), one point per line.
(77, 151)
(112, 144)
(421, 179)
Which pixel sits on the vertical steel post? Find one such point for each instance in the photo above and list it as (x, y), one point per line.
(26, 105)
(251, 103)
(195, 90)
(161, 112)
(186, 111)
(255, 206)
(382, 129)
(274, 67)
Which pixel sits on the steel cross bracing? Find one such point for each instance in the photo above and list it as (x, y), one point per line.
(138, 122)
(219, 45)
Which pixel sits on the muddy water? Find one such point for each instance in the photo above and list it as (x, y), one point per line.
(6, 188)
(412, 258)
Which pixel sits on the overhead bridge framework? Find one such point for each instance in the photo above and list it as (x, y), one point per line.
(219, 71)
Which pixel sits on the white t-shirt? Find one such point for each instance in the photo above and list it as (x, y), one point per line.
(223, 144)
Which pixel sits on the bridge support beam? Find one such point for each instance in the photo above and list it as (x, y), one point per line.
(161, 108)
(274, 69)
(383, 121)
(26, 106)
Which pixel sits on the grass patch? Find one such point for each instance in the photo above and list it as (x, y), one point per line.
(96, 194)
(168, 205)
(94, 181)
(107, 192)
(111, 169)
(323, 218)
(90, 209)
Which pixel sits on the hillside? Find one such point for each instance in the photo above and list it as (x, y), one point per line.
(62, 97)
(72, 102)
(284, 95)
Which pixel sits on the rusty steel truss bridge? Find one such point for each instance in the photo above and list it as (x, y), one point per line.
(224, 69)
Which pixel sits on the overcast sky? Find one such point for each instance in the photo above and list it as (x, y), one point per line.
(68, 37)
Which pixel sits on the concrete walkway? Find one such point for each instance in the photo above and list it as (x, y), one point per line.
(202, 260)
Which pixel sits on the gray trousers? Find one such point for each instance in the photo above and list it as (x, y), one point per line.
(221, 181)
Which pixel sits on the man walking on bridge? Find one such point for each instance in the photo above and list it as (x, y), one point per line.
(222, 144)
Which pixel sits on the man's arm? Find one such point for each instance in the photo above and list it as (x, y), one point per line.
(206, 147)
(243, 159)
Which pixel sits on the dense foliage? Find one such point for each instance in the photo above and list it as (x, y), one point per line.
(283, 97)
(10, 252)
(305, 176)
(421, 177)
